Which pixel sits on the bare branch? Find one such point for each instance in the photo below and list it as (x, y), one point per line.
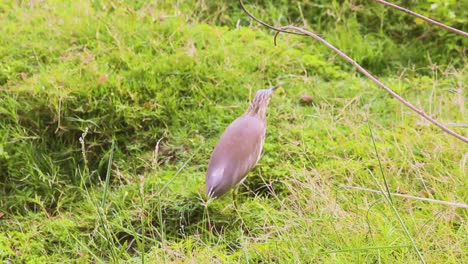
(454, 204)
(302, 31)
(429, 20)
(264, 23)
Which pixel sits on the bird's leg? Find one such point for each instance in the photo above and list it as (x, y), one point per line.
(234, 195)
(210, 227)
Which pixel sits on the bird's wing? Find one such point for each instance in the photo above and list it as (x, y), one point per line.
(238, 150)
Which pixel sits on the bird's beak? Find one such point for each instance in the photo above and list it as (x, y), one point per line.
(272, 88)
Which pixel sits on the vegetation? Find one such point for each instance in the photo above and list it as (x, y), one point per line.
(109, 111)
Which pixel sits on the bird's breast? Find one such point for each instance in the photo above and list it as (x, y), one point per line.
(236, 153)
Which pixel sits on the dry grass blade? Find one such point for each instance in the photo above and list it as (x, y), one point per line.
(454, 204)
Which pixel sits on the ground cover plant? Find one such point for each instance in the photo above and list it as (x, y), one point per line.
(109, 111)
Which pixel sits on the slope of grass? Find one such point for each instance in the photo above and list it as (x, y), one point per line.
(109, 112)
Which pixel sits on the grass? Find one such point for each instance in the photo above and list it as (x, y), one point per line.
(109, 111)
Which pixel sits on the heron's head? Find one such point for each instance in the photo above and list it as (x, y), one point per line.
(260, 102)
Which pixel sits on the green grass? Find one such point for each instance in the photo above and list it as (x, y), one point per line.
(135, 73)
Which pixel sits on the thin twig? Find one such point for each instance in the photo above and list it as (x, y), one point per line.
(379, 83)
(264, 23)
(429, 20)
(286, 29)
(454, 204)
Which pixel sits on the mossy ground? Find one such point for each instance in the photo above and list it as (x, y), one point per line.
(149, 87)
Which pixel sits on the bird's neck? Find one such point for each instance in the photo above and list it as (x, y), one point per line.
(257, 110)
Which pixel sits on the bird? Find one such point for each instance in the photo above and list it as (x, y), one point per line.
(239, 148)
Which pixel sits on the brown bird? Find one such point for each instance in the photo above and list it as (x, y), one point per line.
(239, 148)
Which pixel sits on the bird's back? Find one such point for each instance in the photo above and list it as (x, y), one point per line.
(235, 155)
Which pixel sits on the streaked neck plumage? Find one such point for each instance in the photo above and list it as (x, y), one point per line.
(259, 104)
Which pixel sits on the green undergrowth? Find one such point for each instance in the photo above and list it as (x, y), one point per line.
(109, 111)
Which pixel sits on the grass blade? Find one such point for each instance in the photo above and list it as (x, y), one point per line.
(390, 201)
